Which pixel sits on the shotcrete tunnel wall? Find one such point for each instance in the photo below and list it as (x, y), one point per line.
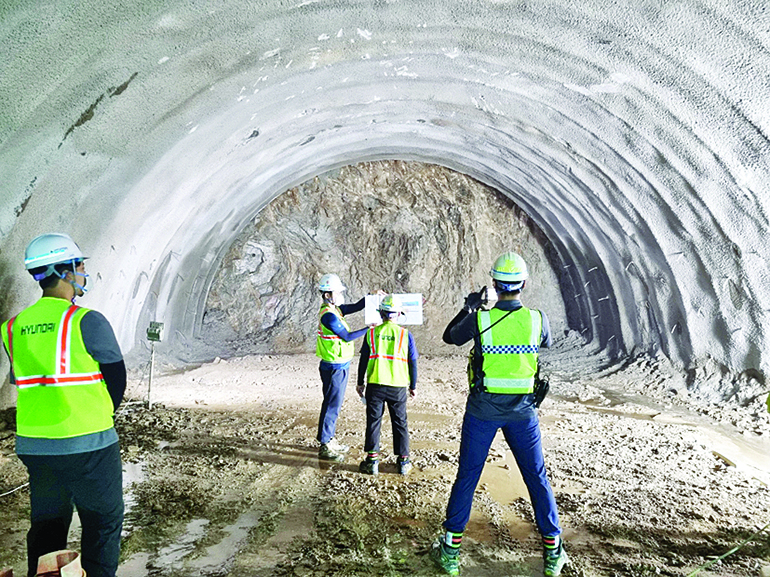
(635, 137)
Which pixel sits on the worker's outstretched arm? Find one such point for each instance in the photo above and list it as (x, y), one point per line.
(332, 322)
(353, 307)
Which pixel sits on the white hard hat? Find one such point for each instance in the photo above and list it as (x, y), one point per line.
(509, 269)
(330, 283)
(391, 304)
(48, 250)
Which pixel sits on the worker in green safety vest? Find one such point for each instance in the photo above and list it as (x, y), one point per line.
(386, 368)
(502, 368)
(335, 348)
(70, 377)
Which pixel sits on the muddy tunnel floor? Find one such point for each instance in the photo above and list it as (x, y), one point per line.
(222, 479)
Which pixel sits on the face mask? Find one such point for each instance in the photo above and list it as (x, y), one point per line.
(339, 298)
(85, 279)
(75, 273)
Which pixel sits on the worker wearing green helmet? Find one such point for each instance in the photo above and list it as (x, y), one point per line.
(504, 361)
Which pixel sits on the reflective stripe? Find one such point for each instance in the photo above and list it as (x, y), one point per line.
(373, 354)
(10, 339)
(372, 344)
(509, 349)
(63, 377)
(508, 366)
(485, 321)
(509, 386)
(537, 328)
(389, 358)
(59, 380)
(329, 346)
(328, 337)
(401, 342)
(61, 390)
(65, 336)
(389, 365)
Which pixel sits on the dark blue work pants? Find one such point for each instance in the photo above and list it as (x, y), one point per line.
(377, 396)
(334, 381)
(94, 483)
(523, 438)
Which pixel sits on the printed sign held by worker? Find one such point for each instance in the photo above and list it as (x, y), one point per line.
(412, 304)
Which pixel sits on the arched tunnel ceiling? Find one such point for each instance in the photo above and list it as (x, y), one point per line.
(634, 134)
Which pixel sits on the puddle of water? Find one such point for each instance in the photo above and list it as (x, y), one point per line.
(135, 566)
(632, 411)
(295, 523)
(220, 556)
(171, 556)
(502, 480)
(479, 528)
(746, 453)
(132, 473)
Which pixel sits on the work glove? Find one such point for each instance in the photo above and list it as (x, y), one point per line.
(474, 301)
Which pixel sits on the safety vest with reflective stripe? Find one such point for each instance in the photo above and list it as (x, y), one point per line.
(329, 346)
(388, 355)
(509, 349)
(61, 391)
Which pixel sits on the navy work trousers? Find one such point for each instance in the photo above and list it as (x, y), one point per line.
(334, 381)
(523, 437)
(377, 396)
(94, 483)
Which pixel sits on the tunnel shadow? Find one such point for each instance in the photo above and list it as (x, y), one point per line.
(580, 284)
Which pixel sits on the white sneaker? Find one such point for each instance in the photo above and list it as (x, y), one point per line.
(337, 447)
(326, 452)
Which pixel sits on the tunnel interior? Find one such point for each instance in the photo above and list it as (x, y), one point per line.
(395, 226)
(633, 139)
(213, 158)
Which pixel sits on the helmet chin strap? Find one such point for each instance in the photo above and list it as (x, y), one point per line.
(74, 284)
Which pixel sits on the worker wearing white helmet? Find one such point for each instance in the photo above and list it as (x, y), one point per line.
(334, 346)
(503, 366)
(70, 377)
(387, 367)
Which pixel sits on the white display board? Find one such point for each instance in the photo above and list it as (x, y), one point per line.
(412, 304)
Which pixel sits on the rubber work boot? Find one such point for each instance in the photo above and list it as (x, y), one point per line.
(553, 562)
(327, 452)
(444, 558)
(369, 467)
(404, 466)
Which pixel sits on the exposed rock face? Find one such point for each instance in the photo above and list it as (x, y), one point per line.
(402, 227)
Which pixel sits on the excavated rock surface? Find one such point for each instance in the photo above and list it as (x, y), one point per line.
(402, 227)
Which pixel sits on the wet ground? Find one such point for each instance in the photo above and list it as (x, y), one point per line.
(222, 479)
